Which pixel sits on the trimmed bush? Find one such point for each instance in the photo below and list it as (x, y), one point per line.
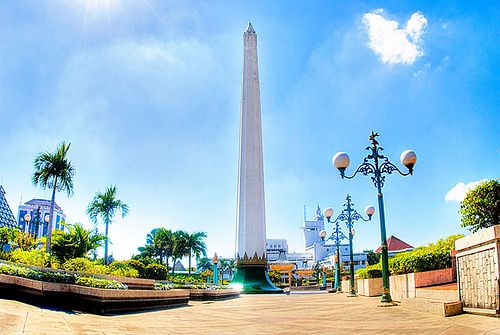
(36, 257)
(156, 271)
(83, 264)
(122, 269)
(137, 265)
(431, 257)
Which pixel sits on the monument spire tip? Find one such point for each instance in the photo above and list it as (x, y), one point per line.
(250, 28)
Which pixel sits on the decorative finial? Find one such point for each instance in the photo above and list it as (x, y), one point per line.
(373, 138)
(250, 28)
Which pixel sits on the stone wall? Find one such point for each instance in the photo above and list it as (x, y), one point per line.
(478, 271)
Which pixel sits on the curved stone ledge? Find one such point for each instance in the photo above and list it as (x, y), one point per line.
(201, 294)
(96, 300)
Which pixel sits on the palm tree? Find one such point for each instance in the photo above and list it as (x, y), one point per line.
(77, 242)
(180, 247)
(196, 246)
(105, 205)
(54, 170)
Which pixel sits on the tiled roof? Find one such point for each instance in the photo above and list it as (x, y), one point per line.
(395, 244)
(7, 219)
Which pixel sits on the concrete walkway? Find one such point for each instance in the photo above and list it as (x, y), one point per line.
(250, 314)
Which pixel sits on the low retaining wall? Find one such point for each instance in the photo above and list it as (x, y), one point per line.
(96, 300)
(371, 287)
(404, 286)
(201, 294)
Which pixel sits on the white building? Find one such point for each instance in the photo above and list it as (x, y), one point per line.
(316, 249)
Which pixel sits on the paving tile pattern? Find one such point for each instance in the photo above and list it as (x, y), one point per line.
(251, 314)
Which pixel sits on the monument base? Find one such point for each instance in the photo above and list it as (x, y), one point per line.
(253, 279)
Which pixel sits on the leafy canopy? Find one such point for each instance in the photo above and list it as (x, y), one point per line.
(54, 169)
(481, 206)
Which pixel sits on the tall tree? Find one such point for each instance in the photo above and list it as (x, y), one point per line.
(106, 205)
(196, 246)
(54, 170)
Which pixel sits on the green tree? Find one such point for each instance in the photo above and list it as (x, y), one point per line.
(204, 264)
(54, 170)
(76, 242)
(196, 246)
(161, 243)
(372, 257)
(106, 205)
(481, 206)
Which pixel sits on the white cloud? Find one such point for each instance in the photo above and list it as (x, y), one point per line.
(394, 44)
(457, 192)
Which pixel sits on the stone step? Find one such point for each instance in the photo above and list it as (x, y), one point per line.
(436, 294)
(437, 307)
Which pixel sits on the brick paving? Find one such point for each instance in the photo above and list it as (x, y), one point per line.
(250, 314)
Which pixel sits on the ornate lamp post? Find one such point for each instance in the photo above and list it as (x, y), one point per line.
(380, 166)
(27, 219)
(349, 215)
(215, 262)
(336, 236)
(47, 220)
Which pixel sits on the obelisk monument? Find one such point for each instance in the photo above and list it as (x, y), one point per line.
(251, 265)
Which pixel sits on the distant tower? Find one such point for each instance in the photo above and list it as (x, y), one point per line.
(312, 228)
(251, 269)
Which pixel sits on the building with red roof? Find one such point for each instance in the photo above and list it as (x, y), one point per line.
(395, 245)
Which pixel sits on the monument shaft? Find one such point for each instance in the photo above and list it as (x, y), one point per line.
(251, 219)
(251, 266)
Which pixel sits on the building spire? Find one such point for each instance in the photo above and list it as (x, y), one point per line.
(250, 28)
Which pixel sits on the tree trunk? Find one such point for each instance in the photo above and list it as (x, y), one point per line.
(173, 265)
(166, 263)
(106, 244)
(51, 215)
(189, 266)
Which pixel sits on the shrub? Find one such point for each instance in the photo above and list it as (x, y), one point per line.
(82, 264)
(184, 278)
(137, 265)
(35, 257)
(431, 257)
(156, 271)
(122, 269)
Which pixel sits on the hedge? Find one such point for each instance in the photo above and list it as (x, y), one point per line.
(431, 257)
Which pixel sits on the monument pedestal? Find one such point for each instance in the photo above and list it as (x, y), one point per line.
(251, 277)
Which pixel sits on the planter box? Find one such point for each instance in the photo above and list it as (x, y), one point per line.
(200, 294)
(346, 285)
(371, 287)
(96, 300)
(478, 271)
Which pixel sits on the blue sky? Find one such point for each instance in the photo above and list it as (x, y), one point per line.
(148, 94)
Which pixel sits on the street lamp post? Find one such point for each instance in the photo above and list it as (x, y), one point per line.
(47, 220)
(27, 219)
(381, 165)
(336, 236)
(215, 261)
(349, 215)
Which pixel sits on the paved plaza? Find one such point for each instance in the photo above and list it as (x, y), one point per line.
(250, 314)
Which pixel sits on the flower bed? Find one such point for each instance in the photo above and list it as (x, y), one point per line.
(59, 277)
